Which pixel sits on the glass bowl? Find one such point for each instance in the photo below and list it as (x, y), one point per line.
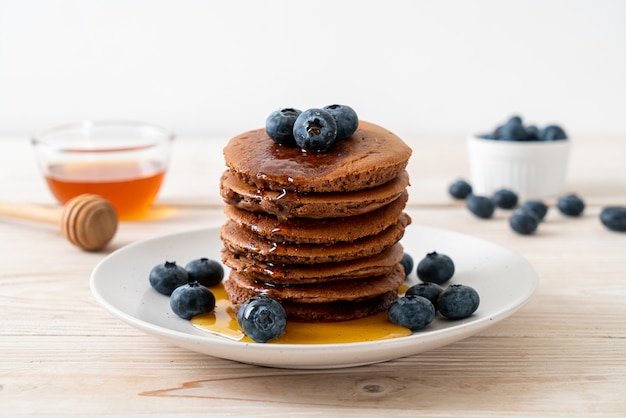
(123, 161)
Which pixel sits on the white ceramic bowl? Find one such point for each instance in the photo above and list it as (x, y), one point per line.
(532, 169)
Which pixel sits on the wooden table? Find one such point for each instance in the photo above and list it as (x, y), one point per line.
(563, 354)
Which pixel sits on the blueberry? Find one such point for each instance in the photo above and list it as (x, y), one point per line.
(279, 126)
(192, 299)
(166, 277)
(614, 218)
(497, 133)
(205, 271)
(537, 207)
(513, 130)
(515, 119)
(552, 133)
(570, 205)
(505, 199)
(458, 301)
(315, 129)
(412, 312)
(532, 133)
(262, 318)
(460, 189)
(407, 263)
(346, 118)
(524, 222)
(480, 206)
(436, 268)
(428, 290)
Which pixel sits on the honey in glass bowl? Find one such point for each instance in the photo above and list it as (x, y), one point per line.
(123, 161)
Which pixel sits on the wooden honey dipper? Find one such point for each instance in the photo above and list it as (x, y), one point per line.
(87, 221)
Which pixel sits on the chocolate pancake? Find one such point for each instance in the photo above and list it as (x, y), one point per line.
(370, 157)
(324, 312)
(377, 265)
(244, 242)
(349, 290)
(284, 204)
(338, 311)
(319, 231)
(322, 301)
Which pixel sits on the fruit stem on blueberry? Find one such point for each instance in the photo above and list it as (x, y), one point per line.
(314, 127)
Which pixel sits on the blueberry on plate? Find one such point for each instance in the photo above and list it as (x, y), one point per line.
(428, 290)
(570, 205)
(262, 318)
(279, 126)
(523, 222)
(436, 268)
(412, 312)
(166, 277)
(552, 133)
(460, 189)
(315, 129)
(458, 301)
(537, 207)
(192, 299)
(205, 271)
(481, 206)
(505, 199)
(407, 263)
(614, 218)
(346, 118)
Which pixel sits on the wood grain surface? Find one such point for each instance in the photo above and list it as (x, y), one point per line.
(563, 354)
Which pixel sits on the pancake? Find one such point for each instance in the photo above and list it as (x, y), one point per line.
(242, 241)
(370, 157)
(285, 204)
(377, 265)
(324, 312)
(338, 311)
(348, 290)
(331, 302)
(319, 231)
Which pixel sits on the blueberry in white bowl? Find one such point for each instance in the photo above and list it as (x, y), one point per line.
(528, 159)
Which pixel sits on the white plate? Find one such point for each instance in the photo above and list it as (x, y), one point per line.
(504, 280)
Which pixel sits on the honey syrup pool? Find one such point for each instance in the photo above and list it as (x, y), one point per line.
(222, 321)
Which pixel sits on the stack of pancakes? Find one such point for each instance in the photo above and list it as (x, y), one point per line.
(319, 232)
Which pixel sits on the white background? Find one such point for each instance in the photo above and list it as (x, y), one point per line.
(422, 69)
